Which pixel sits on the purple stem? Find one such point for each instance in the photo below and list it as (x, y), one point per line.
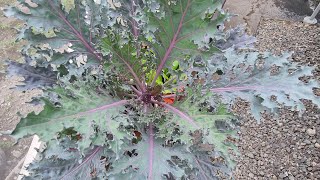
(119, 103)
(122, 102)
(134, 23)
(151, 152)
(136, 34)
(83, 163)
(201, 169)
(172, 45)
(129, 68)
(79, 36)
(139, 93)
(179, 113)
(145, 108)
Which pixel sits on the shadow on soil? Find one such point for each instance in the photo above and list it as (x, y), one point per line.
(297, 7)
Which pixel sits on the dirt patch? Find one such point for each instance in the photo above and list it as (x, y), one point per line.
(297, 7)
(250, 12)
(9, 48)
(11, 101)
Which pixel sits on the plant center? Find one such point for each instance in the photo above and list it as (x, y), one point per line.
(146, 97)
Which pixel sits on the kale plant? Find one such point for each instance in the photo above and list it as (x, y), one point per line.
(141, 89)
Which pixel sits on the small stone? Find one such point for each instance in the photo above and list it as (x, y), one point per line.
(251, 175)
(273, 177)
(250, 155)
(16, 153)
(311, 132)
(317, 145)
(307, 141)
(314, 164)
(282, 175)
(291, 177)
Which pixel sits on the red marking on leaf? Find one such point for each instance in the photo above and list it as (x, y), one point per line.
(137, 134)
(78, 137)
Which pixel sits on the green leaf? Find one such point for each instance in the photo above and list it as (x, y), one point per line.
(123, 56)
(68, 5)
(257, 77)
(74, 167)
(80, 107)
(51, 32)
(175, 65)
(197, 115)
(182, 29)
(149, 159)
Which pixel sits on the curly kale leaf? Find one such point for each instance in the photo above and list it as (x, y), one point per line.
(264, 80)
(79, 106)
(34, 77)
(92, 165)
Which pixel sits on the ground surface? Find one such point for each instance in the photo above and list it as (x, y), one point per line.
(281, 148)
(288, 146)
(11, 101)
(251, 12)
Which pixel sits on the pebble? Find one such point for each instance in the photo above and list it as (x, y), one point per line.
(283, 175)
(251, 175)
(317, 145)
(291, 177)
(307, 141)
(250, 155)
(311, 132)
(16, 153)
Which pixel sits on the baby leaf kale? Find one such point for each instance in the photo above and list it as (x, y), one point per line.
(137, 89)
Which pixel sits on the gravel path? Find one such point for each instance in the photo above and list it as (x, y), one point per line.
(288, 146)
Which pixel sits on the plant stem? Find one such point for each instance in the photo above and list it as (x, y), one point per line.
(151, 152)
(79, 35)
(139, 93)
(172, 45)
(178, 112)
(96, 150)
(170, 80)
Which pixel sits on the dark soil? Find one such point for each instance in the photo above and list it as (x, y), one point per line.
(298, 7)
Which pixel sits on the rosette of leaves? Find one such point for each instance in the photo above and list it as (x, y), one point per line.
(141, 89)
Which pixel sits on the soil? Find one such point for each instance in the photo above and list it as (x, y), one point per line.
(250, 12)
(11, 101)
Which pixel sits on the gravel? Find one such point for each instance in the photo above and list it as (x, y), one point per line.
(287, 146)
